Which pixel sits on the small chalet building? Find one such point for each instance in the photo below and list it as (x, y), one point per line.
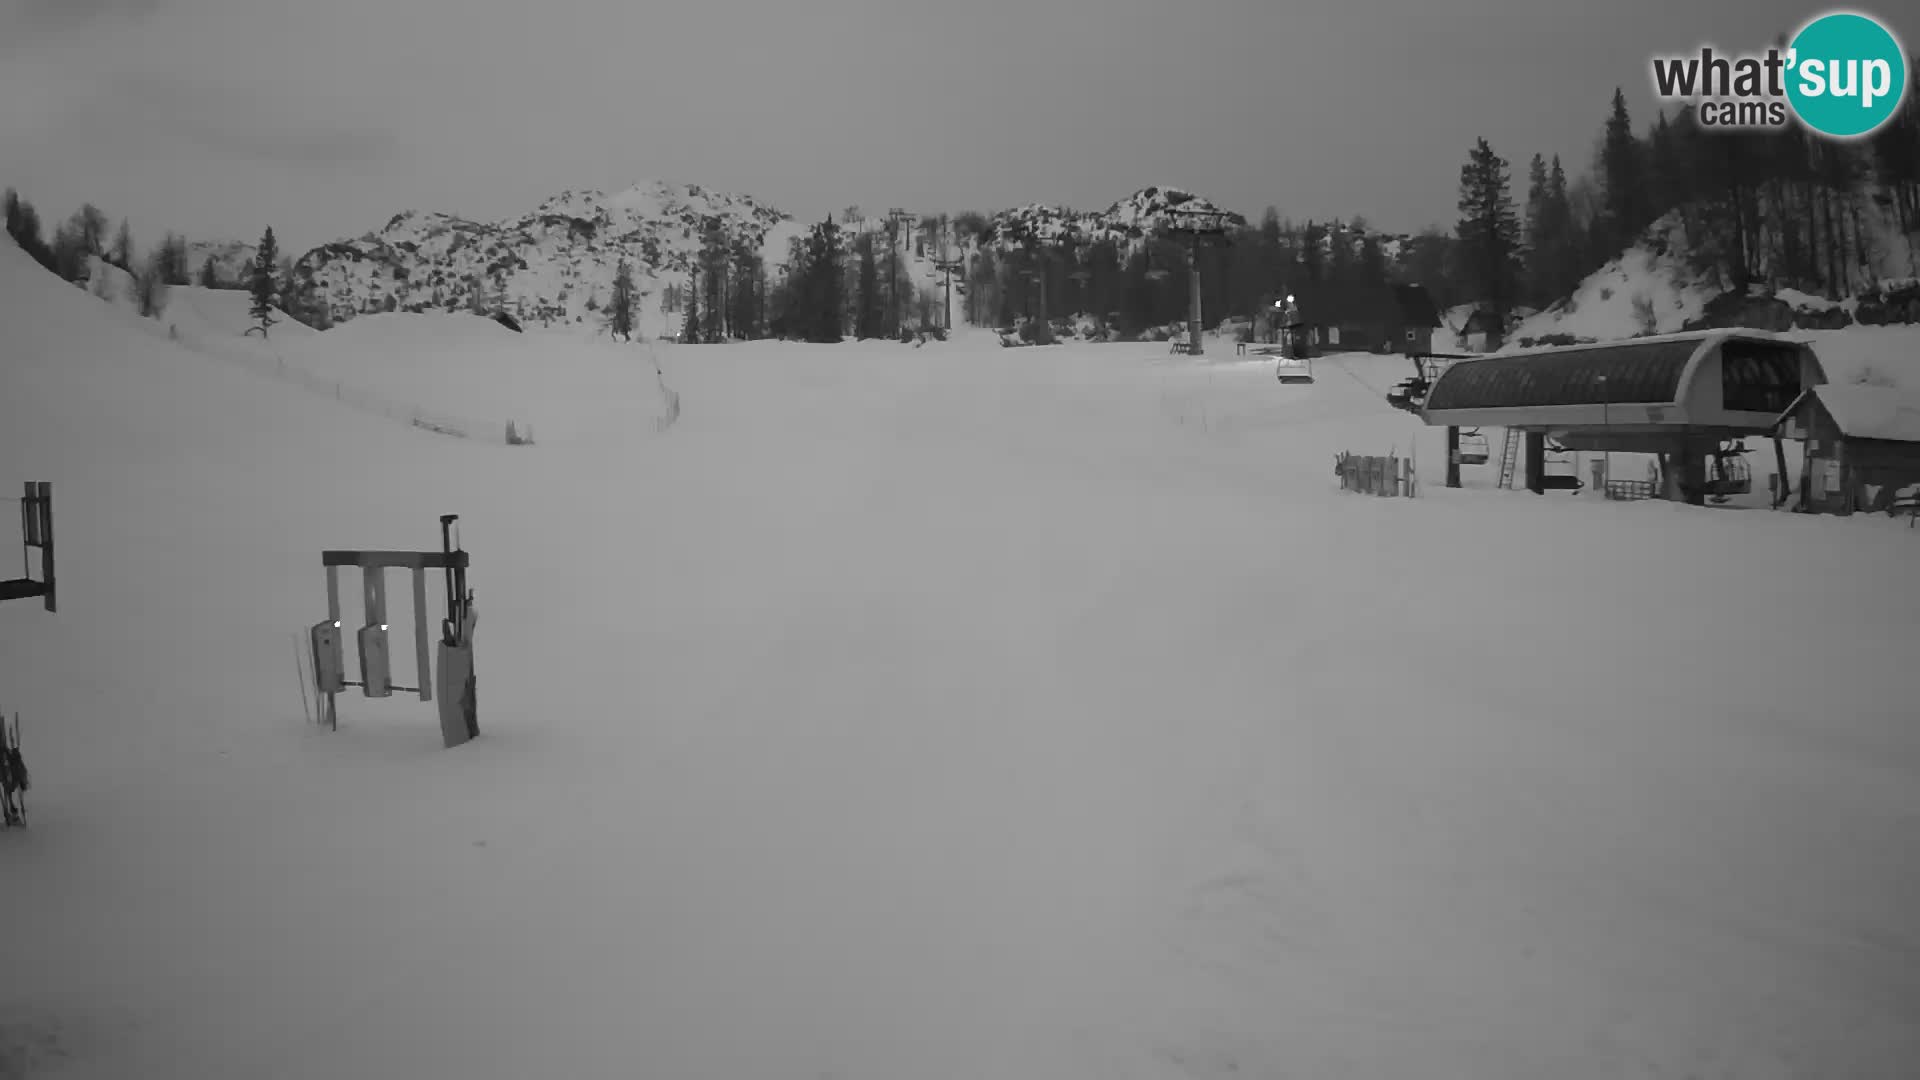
(1366, 318)
(1482, 332)
(1862, 446)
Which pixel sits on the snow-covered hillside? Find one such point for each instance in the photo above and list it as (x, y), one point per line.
(1648, 289)
(951, 712)
(1657, 287)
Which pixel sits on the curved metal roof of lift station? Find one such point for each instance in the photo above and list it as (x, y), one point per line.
(1707, 380)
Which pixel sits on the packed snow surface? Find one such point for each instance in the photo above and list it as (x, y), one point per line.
(929, 713)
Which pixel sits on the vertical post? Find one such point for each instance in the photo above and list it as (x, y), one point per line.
(1606, 426)
(1193, 298)
(1780, 459)
(373, 589)
(333, 616)
(446, 548)
(1453, 456)
(44, 490)
(422, 658)
(1536, 462)
(1693, 474)
(28, 523)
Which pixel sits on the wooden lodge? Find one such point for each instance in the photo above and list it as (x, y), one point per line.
(1366, 318)
(1862, 448)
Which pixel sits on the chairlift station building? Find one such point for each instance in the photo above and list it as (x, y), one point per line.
(1680, 395)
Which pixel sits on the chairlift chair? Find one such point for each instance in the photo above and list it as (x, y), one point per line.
(1293, 369)
(1473, 448)
(1409, 395)
(1569, 480)
(1731, 475)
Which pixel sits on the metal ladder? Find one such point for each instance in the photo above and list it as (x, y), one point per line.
(1509, 458)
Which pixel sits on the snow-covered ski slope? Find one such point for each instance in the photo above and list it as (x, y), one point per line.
(935, 713)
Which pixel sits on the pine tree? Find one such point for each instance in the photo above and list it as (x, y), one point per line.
(90, 231)
(23, 225)
(749, 274)
(1372, 268)
(1563, 263)
(1539, 254)
(690, 316)
(69, 252)
(1666, 171)
(1896, 156)
(983, 276)
(1339, 253)
(150, 283)
(122, 254)
(263, 285)
(1727, 166)
(868, 305)
(621, 304)
(209, 277)
(1427, 261)
(1313, 252)
(1623, 177)
(1489, 230)
(173, 259)
(826, 296)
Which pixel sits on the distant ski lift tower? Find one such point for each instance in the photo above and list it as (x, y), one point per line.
(895, 216)
(948, 268)
(1199, 226)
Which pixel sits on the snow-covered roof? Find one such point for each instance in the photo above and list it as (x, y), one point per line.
(1872, 412)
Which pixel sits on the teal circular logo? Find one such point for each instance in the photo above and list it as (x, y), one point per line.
(1847, 74)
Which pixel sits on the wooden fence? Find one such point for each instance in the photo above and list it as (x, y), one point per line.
(1391, 476)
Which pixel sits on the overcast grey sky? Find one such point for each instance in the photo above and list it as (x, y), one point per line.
(324, 119)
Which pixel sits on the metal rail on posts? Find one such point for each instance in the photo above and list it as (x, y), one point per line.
(36, 531)
(454, 682)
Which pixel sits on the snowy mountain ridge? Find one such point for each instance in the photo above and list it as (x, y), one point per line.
(556, 263)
